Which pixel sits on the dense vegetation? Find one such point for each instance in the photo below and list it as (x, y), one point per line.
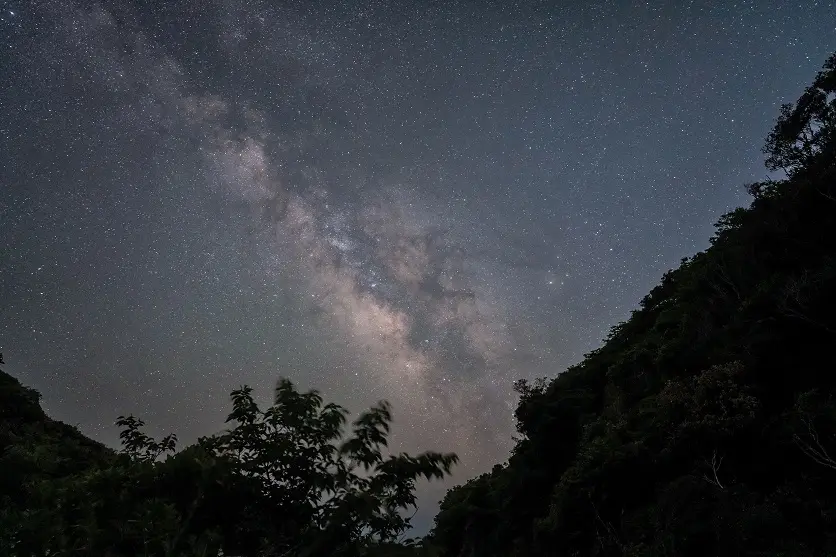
(280, 481)
(704, 425)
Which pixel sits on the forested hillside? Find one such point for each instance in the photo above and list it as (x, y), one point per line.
(35, 450)
(705, 424)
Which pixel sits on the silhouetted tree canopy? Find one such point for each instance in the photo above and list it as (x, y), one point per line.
(280, 481)
(705, 424)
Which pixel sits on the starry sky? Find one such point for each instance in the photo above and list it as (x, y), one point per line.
(412, 201)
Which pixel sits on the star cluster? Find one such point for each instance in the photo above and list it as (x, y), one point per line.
(419, 202)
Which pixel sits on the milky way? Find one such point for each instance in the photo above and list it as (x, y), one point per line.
(412, 202)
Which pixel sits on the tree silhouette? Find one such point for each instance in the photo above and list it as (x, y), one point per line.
(281, 481)
(705, 423)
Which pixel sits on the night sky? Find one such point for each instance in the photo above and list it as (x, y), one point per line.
(418, 202)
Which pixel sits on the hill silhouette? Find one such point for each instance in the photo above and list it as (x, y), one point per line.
(705, 424)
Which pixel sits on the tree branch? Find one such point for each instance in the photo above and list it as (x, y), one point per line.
(715, 468)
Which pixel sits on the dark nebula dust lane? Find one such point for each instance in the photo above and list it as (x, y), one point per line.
(418, 202)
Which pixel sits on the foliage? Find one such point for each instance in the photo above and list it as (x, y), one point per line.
(280, 481)
(705, 424)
